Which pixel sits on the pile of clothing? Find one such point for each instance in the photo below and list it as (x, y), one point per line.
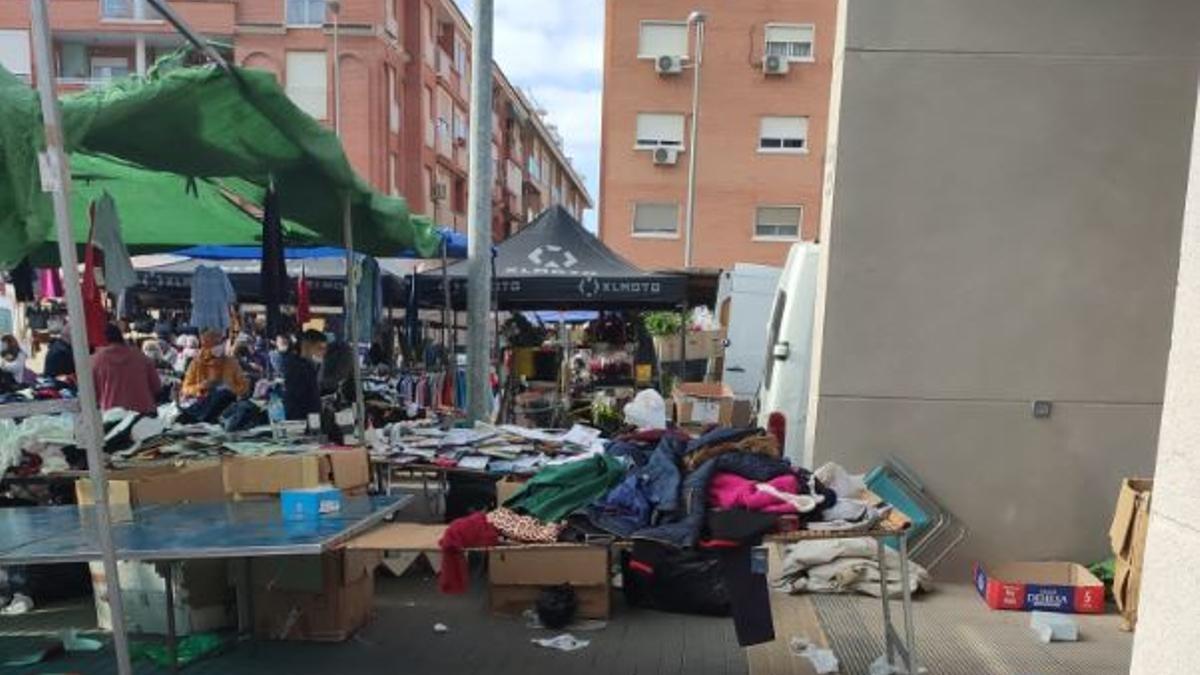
(695, 509)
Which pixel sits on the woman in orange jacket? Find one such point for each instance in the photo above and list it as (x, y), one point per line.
(213, 368)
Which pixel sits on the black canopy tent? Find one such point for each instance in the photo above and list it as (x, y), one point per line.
(554, 263)
(171, 276)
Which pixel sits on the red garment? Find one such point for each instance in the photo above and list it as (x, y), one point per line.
(94, 315)
(125, 378)
(731, 491)
(303, 311)
(466, 532)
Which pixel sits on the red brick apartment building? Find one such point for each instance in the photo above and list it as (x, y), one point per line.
(405, 83)
(764, 101)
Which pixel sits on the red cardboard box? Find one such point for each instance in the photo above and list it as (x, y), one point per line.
(1047, 586)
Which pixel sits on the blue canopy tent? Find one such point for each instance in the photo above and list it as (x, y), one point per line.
(455, 243)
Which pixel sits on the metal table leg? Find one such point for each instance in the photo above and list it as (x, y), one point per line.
(910, 640)
(172, 652)
(244, 599)
(889, 646)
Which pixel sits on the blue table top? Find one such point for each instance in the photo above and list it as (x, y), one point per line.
(51, 534)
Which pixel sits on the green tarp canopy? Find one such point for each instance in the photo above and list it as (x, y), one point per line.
(199, 122)
(161, 211)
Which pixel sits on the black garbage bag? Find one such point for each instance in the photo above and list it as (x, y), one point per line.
(669, 579)
(556, 606)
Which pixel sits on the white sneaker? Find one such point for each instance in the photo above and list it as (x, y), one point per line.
(20, 604)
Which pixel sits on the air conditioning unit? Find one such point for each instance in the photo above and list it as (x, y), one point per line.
(439, 192)
(666, 156)
(774, 64)
(668, 65)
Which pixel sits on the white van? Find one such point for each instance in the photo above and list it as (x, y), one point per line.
(743, 306)
(783, 397)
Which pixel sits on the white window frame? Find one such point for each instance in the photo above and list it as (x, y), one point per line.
(658, 143)
(288, 22)
(140, 11)
(777, 237)
(662, 22)
(108, 61)
(17, 52)
(782, 150)
(291, 88)
(655, 234)
(812, 44)
(393, 94)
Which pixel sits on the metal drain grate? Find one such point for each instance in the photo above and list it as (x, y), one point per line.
(957, 635)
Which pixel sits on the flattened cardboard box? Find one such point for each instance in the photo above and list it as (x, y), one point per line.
(1048, 586)
(1131, 519)
(346, 470)
(516, 576)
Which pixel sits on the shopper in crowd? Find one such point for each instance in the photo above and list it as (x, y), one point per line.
(283, 345)
(301, 376)
(244, 354)
(189, 347)
(153, 350)
(213, 369)
(125, 377)
(12, 360)
(60, 360)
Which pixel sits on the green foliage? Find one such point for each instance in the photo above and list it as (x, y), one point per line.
(661, 324)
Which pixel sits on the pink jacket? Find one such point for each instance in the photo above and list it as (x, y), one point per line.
(730, 491)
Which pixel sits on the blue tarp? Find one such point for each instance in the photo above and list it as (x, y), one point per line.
(550, 316)
(456, 243)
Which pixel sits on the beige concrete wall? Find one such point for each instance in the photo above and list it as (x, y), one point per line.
(1168, 636)
(1005, 228)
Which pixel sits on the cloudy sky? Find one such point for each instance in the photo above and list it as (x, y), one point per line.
(554, 49)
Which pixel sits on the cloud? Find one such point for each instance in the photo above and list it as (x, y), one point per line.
(554, 49)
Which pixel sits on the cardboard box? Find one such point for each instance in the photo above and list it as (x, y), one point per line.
(507, 487)
(313, 598)
(1049, 586)
(700, 346)
(159, 484)
(516, 576)
(1128, 536)
(703, 403)
(203, 599)
(346, 470)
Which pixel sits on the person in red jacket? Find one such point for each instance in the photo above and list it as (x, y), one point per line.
(125, 377)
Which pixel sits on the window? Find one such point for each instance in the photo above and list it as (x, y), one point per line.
(393, 186)
(658, 129)
(430, 117)
(14, 52)
(109, 67)
(773, 336)
(783, 134)
(305, 12)
(128, 9)
(306, 78)
(459, 201)
(460, 127)
(430, 204)
(792, 41)
(655, 219)
(73, 61)
(535, 166)
(460, 55)
(393, 99)
(777, 222)
(662, 38)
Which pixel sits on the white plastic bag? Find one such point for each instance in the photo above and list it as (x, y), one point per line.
(647, 410)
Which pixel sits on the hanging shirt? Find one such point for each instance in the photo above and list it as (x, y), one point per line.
(119, 274)
(212, 295)
(273, 275)
(368, 311)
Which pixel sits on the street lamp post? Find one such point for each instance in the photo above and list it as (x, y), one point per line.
(696, 19)
(335, 7)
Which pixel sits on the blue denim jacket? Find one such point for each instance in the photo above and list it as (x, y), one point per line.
(649, 492)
